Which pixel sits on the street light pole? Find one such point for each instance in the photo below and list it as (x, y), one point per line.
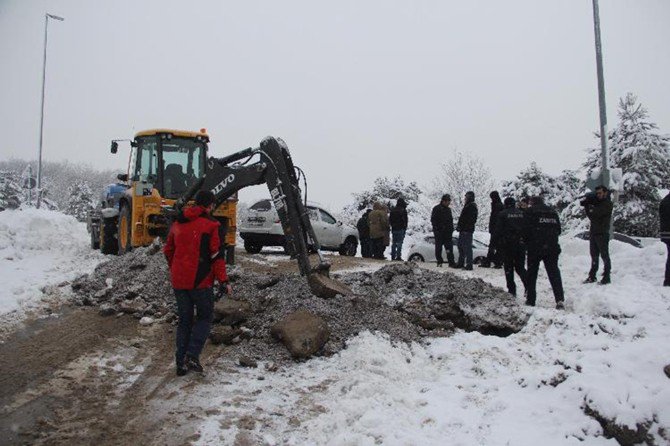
(601, 91)
(44, 81)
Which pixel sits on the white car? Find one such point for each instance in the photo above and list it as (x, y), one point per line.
(262, 227)
(424, 250)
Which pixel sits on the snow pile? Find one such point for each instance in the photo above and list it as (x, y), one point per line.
(580, 376)
(40, 247)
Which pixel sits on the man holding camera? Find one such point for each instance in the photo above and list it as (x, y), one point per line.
(598, 208)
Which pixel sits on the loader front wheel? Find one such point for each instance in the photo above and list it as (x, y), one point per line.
(125, 226)
(108, 242)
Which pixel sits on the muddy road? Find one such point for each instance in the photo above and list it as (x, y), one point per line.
(70, 376)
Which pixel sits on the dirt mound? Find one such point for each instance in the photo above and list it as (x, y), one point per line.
(401, 300)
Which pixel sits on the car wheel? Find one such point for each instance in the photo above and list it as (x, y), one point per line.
(349, 247)
(416, 257)
(252, 248)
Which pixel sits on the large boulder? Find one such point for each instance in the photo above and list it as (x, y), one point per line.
(231, 312)
(303, 333)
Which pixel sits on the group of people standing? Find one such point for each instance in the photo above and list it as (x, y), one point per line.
(523, 236)
(378, 227)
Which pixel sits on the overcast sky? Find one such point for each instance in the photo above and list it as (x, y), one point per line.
(358, 89)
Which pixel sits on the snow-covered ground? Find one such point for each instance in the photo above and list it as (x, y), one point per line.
(605, 353)
(39, 247)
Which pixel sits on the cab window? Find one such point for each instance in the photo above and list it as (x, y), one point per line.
(183, 159)
(146, 168)
(326, 217)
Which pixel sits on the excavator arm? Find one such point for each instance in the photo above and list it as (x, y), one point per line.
(274, 167)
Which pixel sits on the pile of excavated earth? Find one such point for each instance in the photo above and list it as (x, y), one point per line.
(401, 300)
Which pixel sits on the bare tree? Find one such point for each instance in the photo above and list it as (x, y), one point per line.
(464, 172)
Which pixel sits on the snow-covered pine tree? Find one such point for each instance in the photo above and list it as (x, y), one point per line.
(644, 156)
(80, 200)
(558, 192)
(10, 190)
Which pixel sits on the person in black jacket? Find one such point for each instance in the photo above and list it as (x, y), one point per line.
(664, 215)
(466, 228)
(398, 222)
(509, 234)
(599, 210)
(542, 228)
(363, 227)
(493, 256)
(443, 229)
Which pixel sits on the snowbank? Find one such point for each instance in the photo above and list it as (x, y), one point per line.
(605, 354)
(40, 247)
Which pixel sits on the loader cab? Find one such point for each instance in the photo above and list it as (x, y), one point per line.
(168, 161)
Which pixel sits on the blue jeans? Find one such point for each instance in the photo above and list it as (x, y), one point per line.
(192, 332)
(465, 249)
(396, 245)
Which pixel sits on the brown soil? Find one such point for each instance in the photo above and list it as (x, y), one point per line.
(80, 378)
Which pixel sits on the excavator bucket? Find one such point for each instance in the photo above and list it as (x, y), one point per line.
(326, 288)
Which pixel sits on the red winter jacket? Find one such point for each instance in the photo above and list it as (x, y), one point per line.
(192, 251)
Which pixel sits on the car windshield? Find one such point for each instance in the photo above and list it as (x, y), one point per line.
(183, 159)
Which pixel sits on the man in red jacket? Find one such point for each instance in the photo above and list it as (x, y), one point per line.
(192, 252)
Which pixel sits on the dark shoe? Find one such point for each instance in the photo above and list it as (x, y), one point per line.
(181, 370)
(530, 304)
(468, 268)
(605, 280)
(485, 265)
(193, 364)
(590, 279)
(666, 283)
(457, 266)
(513, 293)
(560, 305)
(439, 264)
(452, 265)
(497, 266)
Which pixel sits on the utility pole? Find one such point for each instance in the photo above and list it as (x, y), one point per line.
(610, 178)
(47, 16)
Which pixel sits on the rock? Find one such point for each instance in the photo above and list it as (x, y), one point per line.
(267, 282)
(271, 366)
(327, 288)
(224, 335)
(666, 369)
(101, 294)
(106, 310)
(303, 333)
(131, 307)
(146, 320)
(246, 361)
(231, 312)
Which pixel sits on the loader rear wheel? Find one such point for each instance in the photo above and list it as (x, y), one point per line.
(124, 230)
(108, 242)
(252, 248)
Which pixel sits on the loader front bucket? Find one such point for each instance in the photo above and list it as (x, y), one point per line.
(326, 288)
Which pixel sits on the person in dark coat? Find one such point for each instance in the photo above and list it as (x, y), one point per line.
(466, 228)
(378, 221)
(363, 227)
(493, 258)
(443, 229)
(509, 234)
(398, 222)
(599, 210)
(664, 215)
(541, 230)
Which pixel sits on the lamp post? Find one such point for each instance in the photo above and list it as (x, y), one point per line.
(610, 178)
(47, 16)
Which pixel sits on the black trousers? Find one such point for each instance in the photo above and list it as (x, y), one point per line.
(444, 239)
(494, 254)
(599, 245)
(550, 261)
(366, 248)
(378, 247)
(514, 259)
(667, 266)
(192, 332)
